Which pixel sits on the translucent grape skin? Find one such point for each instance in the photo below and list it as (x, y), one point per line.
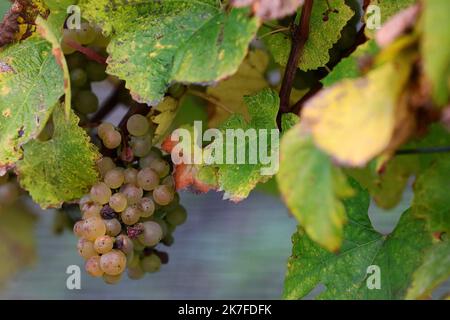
(118, 202)
(130, 176)
(147, 179)
(103, 244)
(138, 125)
(109, 279)
(152, 234)
(135, 273)
(125, 244)
(92, 267)
(113, 263)
(113, 227)
(100, 193)
(91, 210)
(163, 195)
(78, 77)
(141, 146)
(86, 248)
(112, 139)
(151, 263)
(147, 207)
(114, 178)
(104, 165)
(131, 215)
(103, 128)
(78, 229)
(133, 193)
(93, 228)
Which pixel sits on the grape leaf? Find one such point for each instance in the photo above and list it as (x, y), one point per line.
(156, 43)
(355, 120)
(322, 37)
(58, 15)
(345, 275)
(166, 113)
(434, 271)
(388, 9)
(248, 80)
(17, 246)
(31, 83)
(270, 9)
(61, 169)
(312, 188)
(350, 67)
(431, 200)
(436, 47)
(238, 180)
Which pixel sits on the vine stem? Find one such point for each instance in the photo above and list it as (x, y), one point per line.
(88, 52)
(299, 38)
(423, 151)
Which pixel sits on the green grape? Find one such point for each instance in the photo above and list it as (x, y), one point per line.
(109, 279)
(162, 224)
(141, 146)
(112, 139)
(161, 167)
(92, 267)
(169, 181)
(125, 244)
(104, 165)
(138, 245)
(78, 229)
(152, 234)
(101, 41)
(78, 78)
(113, 263)
(96, 71)
(76, 60)
(91, 210)
(146, 161)
(177, 217)
(86, 34)
(114, 178)
(118, 202)
(100, 193)
(103, 244)
(135, 273)
(151, 263)
(168, 240)
(68, 35)
(133, 193)
(163, 195)
(85, 102)
(138, 125)
(147, 207)
(86, 248)
(103, 128)
(113, 227)
(131, 215)
(130, 176)
(93, 228)
(147, 179)
(174, 204)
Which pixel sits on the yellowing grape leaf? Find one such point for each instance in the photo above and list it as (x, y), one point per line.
(163, 118)
(313, 188)
(248, 80)
(58, 15)
(365, 256)
(61, 169)
(154, 43)
(431, 198)
(436, 48)
(270, 9)
(387, 9)
(31, 83)
(434, 271)
(355, 120)
(322, 37)
(17, 246)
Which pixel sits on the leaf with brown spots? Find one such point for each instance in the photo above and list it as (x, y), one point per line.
(31, 82)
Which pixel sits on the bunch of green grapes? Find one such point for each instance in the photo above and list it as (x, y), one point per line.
(84, 71)
(9, 190)
(132, 210)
